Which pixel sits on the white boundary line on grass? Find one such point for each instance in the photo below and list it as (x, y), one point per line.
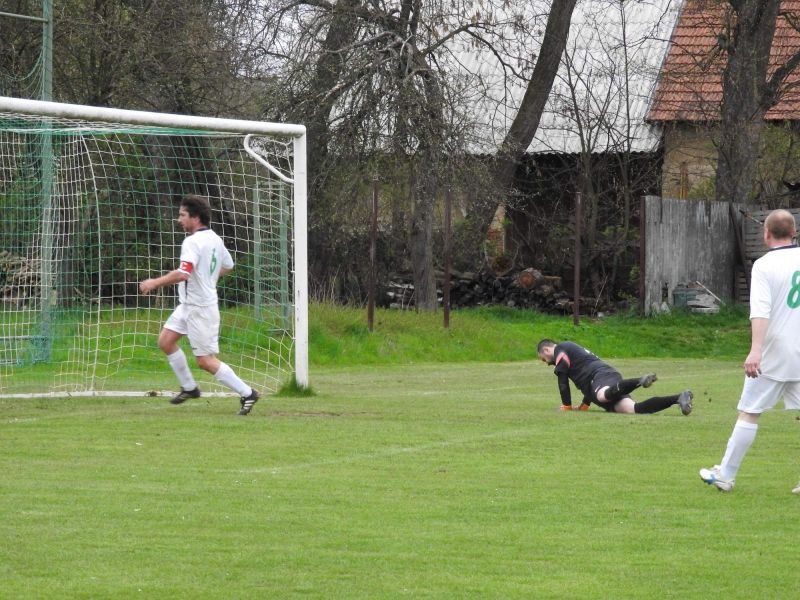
(61, 415)
(385, 453)
(117, 394)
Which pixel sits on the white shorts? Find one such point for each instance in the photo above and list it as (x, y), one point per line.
(760, 394)
(200, 324)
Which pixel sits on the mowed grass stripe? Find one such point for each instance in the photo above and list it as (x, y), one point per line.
(433, 481)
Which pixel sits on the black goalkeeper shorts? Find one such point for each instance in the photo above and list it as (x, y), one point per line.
(605, 378)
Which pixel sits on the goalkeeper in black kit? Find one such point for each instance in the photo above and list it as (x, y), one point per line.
(601, 383)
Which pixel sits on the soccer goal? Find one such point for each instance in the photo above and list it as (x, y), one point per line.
(89, 199)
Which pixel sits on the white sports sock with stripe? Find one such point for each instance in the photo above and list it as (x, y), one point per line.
(741, 439)
(180, 366)
(227, 377)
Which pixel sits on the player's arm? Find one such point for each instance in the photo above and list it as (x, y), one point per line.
(752, 364)
(760, 312)
(563, 389)
(227, 262)
(171, 278)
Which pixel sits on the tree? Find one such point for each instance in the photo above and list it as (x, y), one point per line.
(749, 90)
(184, 56)
(606, 72)
(540, 60)
(525, 123)
(373, 78)
(20, 51)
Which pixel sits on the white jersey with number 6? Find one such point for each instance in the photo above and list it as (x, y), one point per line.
(775, 295)
(203, 254)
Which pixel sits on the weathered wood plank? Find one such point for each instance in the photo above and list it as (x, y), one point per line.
(687, 241)
(753, 232)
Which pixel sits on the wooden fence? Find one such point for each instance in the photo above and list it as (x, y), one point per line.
(687, 241)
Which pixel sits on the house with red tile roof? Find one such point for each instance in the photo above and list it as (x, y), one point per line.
(688, 95)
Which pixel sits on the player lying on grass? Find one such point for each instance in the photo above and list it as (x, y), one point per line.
(203, 259)
(601, 383)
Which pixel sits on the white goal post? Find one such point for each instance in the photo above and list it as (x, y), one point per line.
(89, 198)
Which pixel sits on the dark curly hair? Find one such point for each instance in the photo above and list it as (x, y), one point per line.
(197, 206)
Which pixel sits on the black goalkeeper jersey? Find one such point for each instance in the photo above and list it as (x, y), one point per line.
(580, 365)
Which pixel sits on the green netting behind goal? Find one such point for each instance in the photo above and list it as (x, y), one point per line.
(88, 211)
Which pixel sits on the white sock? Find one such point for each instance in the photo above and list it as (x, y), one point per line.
(739, 443)
(226, 376)
(177, 360)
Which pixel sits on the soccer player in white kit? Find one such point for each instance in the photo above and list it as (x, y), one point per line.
(203, 260)
(772, 369)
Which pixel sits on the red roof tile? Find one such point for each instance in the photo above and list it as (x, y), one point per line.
(690, 83)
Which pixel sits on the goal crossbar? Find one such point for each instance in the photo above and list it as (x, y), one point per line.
(146, 118)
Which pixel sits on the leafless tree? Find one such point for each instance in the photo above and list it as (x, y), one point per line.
(526, 122)
(749, 89)
(20, 50)
(393, 89)
(391, 77)
(606, 73)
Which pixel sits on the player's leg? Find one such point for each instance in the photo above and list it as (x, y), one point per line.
(607, 385)
(600, 394)
(203, 332)
(739, 443)
(625, 405)
(655, 404)
(758, 394)
(659, 403)
(603, 383)
(174, 329)
(625, 386)
(168, 341)
(223, 373)
(226, 376)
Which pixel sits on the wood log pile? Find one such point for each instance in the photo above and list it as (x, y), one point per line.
(19, 278)
(528, 288)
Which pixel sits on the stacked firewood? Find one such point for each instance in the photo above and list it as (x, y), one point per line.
(528, 288)
(19, 278)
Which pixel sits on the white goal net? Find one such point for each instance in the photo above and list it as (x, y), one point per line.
(89, 200)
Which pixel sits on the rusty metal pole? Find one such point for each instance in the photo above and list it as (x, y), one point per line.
(642, 255)
(576, 309)
(448, 202)
(373, 242)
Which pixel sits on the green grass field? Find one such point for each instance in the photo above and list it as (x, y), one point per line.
(431, 480)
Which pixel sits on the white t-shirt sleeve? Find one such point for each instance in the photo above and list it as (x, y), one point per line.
(760, 293)
(227, 259)
(189, 256)
(771, 287)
